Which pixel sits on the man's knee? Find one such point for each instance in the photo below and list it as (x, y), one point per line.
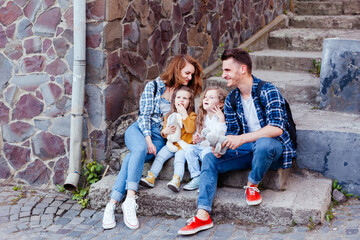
(209, 162)
(268, 146)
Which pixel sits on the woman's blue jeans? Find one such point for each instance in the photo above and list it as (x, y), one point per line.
(133, 164)
(260, 156)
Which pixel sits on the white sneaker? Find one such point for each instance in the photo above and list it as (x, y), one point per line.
(109, 216)
(129, 208)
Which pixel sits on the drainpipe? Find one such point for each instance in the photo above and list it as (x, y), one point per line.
(78, 91)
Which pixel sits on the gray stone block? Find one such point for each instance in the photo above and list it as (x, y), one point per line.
(340, 75)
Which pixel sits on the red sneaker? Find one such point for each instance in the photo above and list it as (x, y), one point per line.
(252, 195)
(195, 225)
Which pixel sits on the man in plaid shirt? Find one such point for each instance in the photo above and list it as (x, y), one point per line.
(256, 137)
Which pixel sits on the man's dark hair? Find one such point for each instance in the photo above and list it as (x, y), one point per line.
(240, 55)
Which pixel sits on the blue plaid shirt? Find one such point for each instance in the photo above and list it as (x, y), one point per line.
(274, 115)
(150, 113)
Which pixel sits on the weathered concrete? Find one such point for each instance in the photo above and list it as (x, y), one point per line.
(340, 75)
(304, 39)
(291, 61)
(326, 22)
(299, 202)
(327, 7)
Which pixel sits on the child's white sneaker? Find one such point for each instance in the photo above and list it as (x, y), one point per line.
(109, 216)
(129, 208)
(193, 184)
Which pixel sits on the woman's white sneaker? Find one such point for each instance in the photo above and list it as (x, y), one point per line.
(109, 216)
(129, 208)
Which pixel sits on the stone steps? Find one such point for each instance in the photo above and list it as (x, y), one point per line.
(349, 7)
(306, 39)
(278, 60)
(295, 87)
(325, 22)
(295, 205)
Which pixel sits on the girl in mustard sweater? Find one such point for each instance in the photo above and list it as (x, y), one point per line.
(183, 103)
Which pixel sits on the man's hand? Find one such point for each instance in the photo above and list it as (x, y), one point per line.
(233, 142)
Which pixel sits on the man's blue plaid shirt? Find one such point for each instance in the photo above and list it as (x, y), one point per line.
(274, 115)
(150, 113)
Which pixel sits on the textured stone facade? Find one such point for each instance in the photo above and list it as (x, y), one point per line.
(128, 43)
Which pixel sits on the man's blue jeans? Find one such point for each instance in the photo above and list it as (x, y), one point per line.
(133, 164)
(260, 156)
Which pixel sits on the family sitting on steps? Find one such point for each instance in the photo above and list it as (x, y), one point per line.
(256, 136)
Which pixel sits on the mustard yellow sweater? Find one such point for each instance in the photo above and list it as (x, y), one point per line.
(189, 127)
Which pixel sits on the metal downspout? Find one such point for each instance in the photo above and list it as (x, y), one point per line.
(78, 91)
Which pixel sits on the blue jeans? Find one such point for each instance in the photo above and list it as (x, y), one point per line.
(260, 156)
(133, 164)
(163, 156)
(194, 154)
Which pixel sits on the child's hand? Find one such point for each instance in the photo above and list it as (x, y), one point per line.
(180, 109)
(218, 113)
(169, 130)
(196, 138)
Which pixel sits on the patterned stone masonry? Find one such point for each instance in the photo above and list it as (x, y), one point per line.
(128, 43)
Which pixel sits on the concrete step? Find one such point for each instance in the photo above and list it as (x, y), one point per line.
(306, 196)
(349, 7)
(326, 22)
(295, 87)
(306, 39)
(280, 60)
(329, 143)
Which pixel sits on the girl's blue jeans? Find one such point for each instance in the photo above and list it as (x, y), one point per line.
(163, 156)
(260, 156)
(133, 164)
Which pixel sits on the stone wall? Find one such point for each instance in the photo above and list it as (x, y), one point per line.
(128, 43)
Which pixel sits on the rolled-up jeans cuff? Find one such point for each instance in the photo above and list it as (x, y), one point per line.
(206, 208)
(118, 196)
(132, 186)
(253, 181)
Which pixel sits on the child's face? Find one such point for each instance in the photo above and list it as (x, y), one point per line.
(211, 100)
(182, 98)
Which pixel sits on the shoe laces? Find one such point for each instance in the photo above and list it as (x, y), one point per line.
(252, 189)
(131, 207)
(190, 220)
(109, 212)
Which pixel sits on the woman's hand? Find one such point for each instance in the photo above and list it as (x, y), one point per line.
(151, 149)
(169, 130)
(220, 115)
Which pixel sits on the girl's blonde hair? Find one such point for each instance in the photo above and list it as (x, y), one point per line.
(191, 107)
(222, 93)
(172, 74)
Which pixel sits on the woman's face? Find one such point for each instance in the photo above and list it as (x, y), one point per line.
(182, 98)
(211, 100)
(186, 73)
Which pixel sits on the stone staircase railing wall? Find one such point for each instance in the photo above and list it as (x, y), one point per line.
(128, 43)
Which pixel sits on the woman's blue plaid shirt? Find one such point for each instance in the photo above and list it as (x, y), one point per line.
(274, 115)
(150, 113)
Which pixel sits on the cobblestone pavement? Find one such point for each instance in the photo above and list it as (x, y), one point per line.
(40, 214)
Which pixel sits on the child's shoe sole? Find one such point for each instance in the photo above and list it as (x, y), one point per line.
(173, 188)
(145, 183)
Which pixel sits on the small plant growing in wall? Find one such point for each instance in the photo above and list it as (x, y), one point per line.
(220, 51)
(317, 67)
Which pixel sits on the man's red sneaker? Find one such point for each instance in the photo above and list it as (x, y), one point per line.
(252, 195)
(195, 225)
